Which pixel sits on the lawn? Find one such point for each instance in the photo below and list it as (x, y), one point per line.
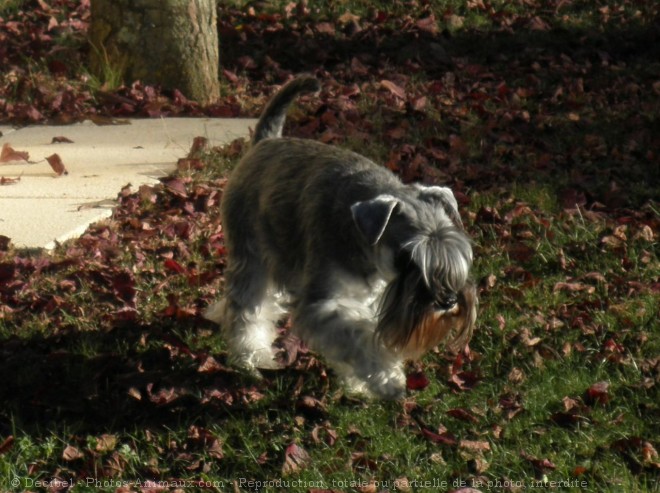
(542, 116)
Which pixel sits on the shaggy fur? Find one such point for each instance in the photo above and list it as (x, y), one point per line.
(371, 270)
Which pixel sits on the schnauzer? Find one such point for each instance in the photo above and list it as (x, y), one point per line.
(372, 271)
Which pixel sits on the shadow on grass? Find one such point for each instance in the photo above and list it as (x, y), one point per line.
(49, 384)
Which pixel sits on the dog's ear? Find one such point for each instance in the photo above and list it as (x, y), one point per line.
(442, 196)
(372, 216)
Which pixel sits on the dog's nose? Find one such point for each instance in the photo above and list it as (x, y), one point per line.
(448, 301)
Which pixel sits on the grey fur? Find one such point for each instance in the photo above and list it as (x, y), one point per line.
(272, 119)
(357, 257)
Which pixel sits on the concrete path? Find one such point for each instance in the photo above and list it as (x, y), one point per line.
(40, 208)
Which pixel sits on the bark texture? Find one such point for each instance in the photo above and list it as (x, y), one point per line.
(172, 43)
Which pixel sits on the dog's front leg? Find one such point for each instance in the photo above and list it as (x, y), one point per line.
(343, 332)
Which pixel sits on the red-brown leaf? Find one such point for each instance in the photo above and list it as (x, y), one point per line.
(538, 464)
(598, 393)
(311, 407)
(199, 145)
(444, 438)
(463, 415)
(398, 91)
(71, 453)
(9, 181)
(417, 381)
(296, 459)
(9, 154)
(6, 444)
(106, 443)
(211, 365)
(474, 445)
(174, 266)
(61, 140)
(56, 163)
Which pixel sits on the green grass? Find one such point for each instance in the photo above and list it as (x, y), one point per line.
(8, 7)
(372, 441)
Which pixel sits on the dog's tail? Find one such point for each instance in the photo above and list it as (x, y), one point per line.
(272, 119)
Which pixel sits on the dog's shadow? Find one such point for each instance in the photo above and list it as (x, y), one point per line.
(102, 382)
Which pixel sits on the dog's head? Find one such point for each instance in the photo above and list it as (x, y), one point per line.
(420, 245)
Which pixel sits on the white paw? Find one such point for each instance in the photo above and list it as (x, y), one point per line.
(264, 359)
(386, 384)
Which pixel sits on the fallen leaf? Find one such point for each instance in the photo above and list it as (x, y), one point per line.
(645, 233)
(516, 375)
(361, 460)
(573, 287)
(570, 403)
(188, 164)
(330, 433)
(417, 381)
(174, 266)
(9, 181)
(9, 154)
(444, 438)
(106, 443)
(199, 146)
(540, 465)
(56, 163)
(165, 395)
(204, 439)
(511, 404)
(348, 18)
(311, 407)
(368, 487)
(598, 393)
(398, 91)
(325, 28)
(428, 24)
(211, 365)
(176, 186)
(419, 104)
(296, 459)
(568, 419)
(536, 23)
(6, 444)
(71, 453)
(463, 415)
(134, 393)
(474, 445)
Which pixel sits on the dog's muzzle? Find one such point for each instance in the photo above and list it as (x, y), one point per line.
(451, 324)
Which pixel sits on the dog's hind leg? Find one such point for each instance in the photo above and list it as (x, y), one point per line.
(248, 313)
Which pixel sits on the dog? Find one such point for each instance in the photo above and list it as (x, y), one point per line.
(373, 272)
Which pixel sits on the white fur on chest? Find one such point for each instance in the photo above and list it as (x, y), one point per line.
(355, 297)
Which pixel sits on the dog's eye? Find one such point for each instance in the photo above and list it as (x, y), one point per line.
(446, 301)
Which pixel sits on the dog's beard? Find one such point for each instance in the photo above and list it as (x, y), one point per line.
(410, 324)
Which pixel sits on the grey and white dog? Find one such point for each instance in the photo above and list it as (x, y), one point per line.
(372, 271)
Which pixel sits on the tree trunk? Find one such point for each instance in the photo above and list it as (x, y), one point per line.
(171, 43)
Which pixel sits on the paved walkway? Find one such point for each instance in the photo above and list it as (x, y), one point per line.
(38, 207)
